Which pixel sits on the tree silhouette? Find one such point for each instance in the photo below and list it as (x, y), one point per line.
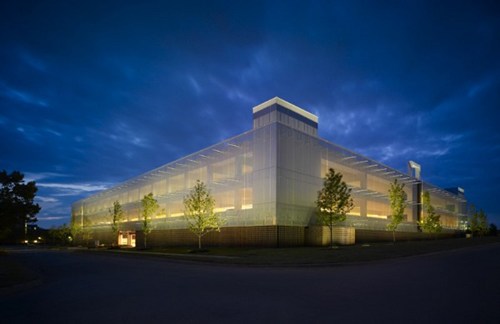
(334, 201)
(199, 212)
(17, 207)
(397, 200)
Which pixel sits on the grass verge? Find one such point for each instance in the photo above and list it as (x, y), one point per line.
(303, 256)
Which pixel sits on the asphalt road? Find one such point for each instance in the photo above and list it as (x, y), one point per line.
(461, 286)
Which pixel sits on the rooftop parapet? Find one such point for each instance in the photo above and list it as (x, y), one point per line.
(279, 110)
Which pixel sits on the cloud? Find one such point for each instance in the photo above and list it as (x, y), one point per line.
(196, 86)
(34, 62)
(23, 97)
(233, 93)
(36, 176)
(50, 218)
(77, 188)
(46, 199)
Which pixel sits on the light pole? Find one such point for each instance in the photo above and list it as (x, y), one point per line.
(25, 230)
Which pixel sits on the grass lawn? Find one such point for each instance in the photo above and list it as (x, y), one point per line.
(319, 255)
(13, 273)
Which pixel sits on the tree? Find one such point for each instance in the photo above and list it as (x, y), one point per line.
(75, 228)
(199, 212)
(116, 214)
(479, 223)
(430, 223)
(17, 207)
(397, 200)
(334, 201)
(60, 235)
(149, 208)
(493, 230)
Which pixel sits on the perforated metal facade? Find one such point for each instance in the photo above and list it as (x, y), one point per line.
(269, 176)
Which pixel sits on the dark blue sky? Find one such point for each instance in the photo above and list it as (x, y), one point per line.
(93, 93)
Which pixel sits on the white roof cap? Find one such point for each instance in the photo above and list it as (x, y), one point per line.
(286, 104)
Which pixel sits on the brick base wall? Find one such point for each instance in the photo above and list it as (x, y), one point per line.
(368, 236)
(320, 235)
(258, 236)
(263, 236)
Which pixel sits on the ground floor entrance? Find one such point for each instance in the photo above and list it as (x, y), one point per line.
(126, 238)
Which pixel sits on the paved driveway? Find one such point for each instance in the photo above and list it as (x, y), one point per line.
(461, 286)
